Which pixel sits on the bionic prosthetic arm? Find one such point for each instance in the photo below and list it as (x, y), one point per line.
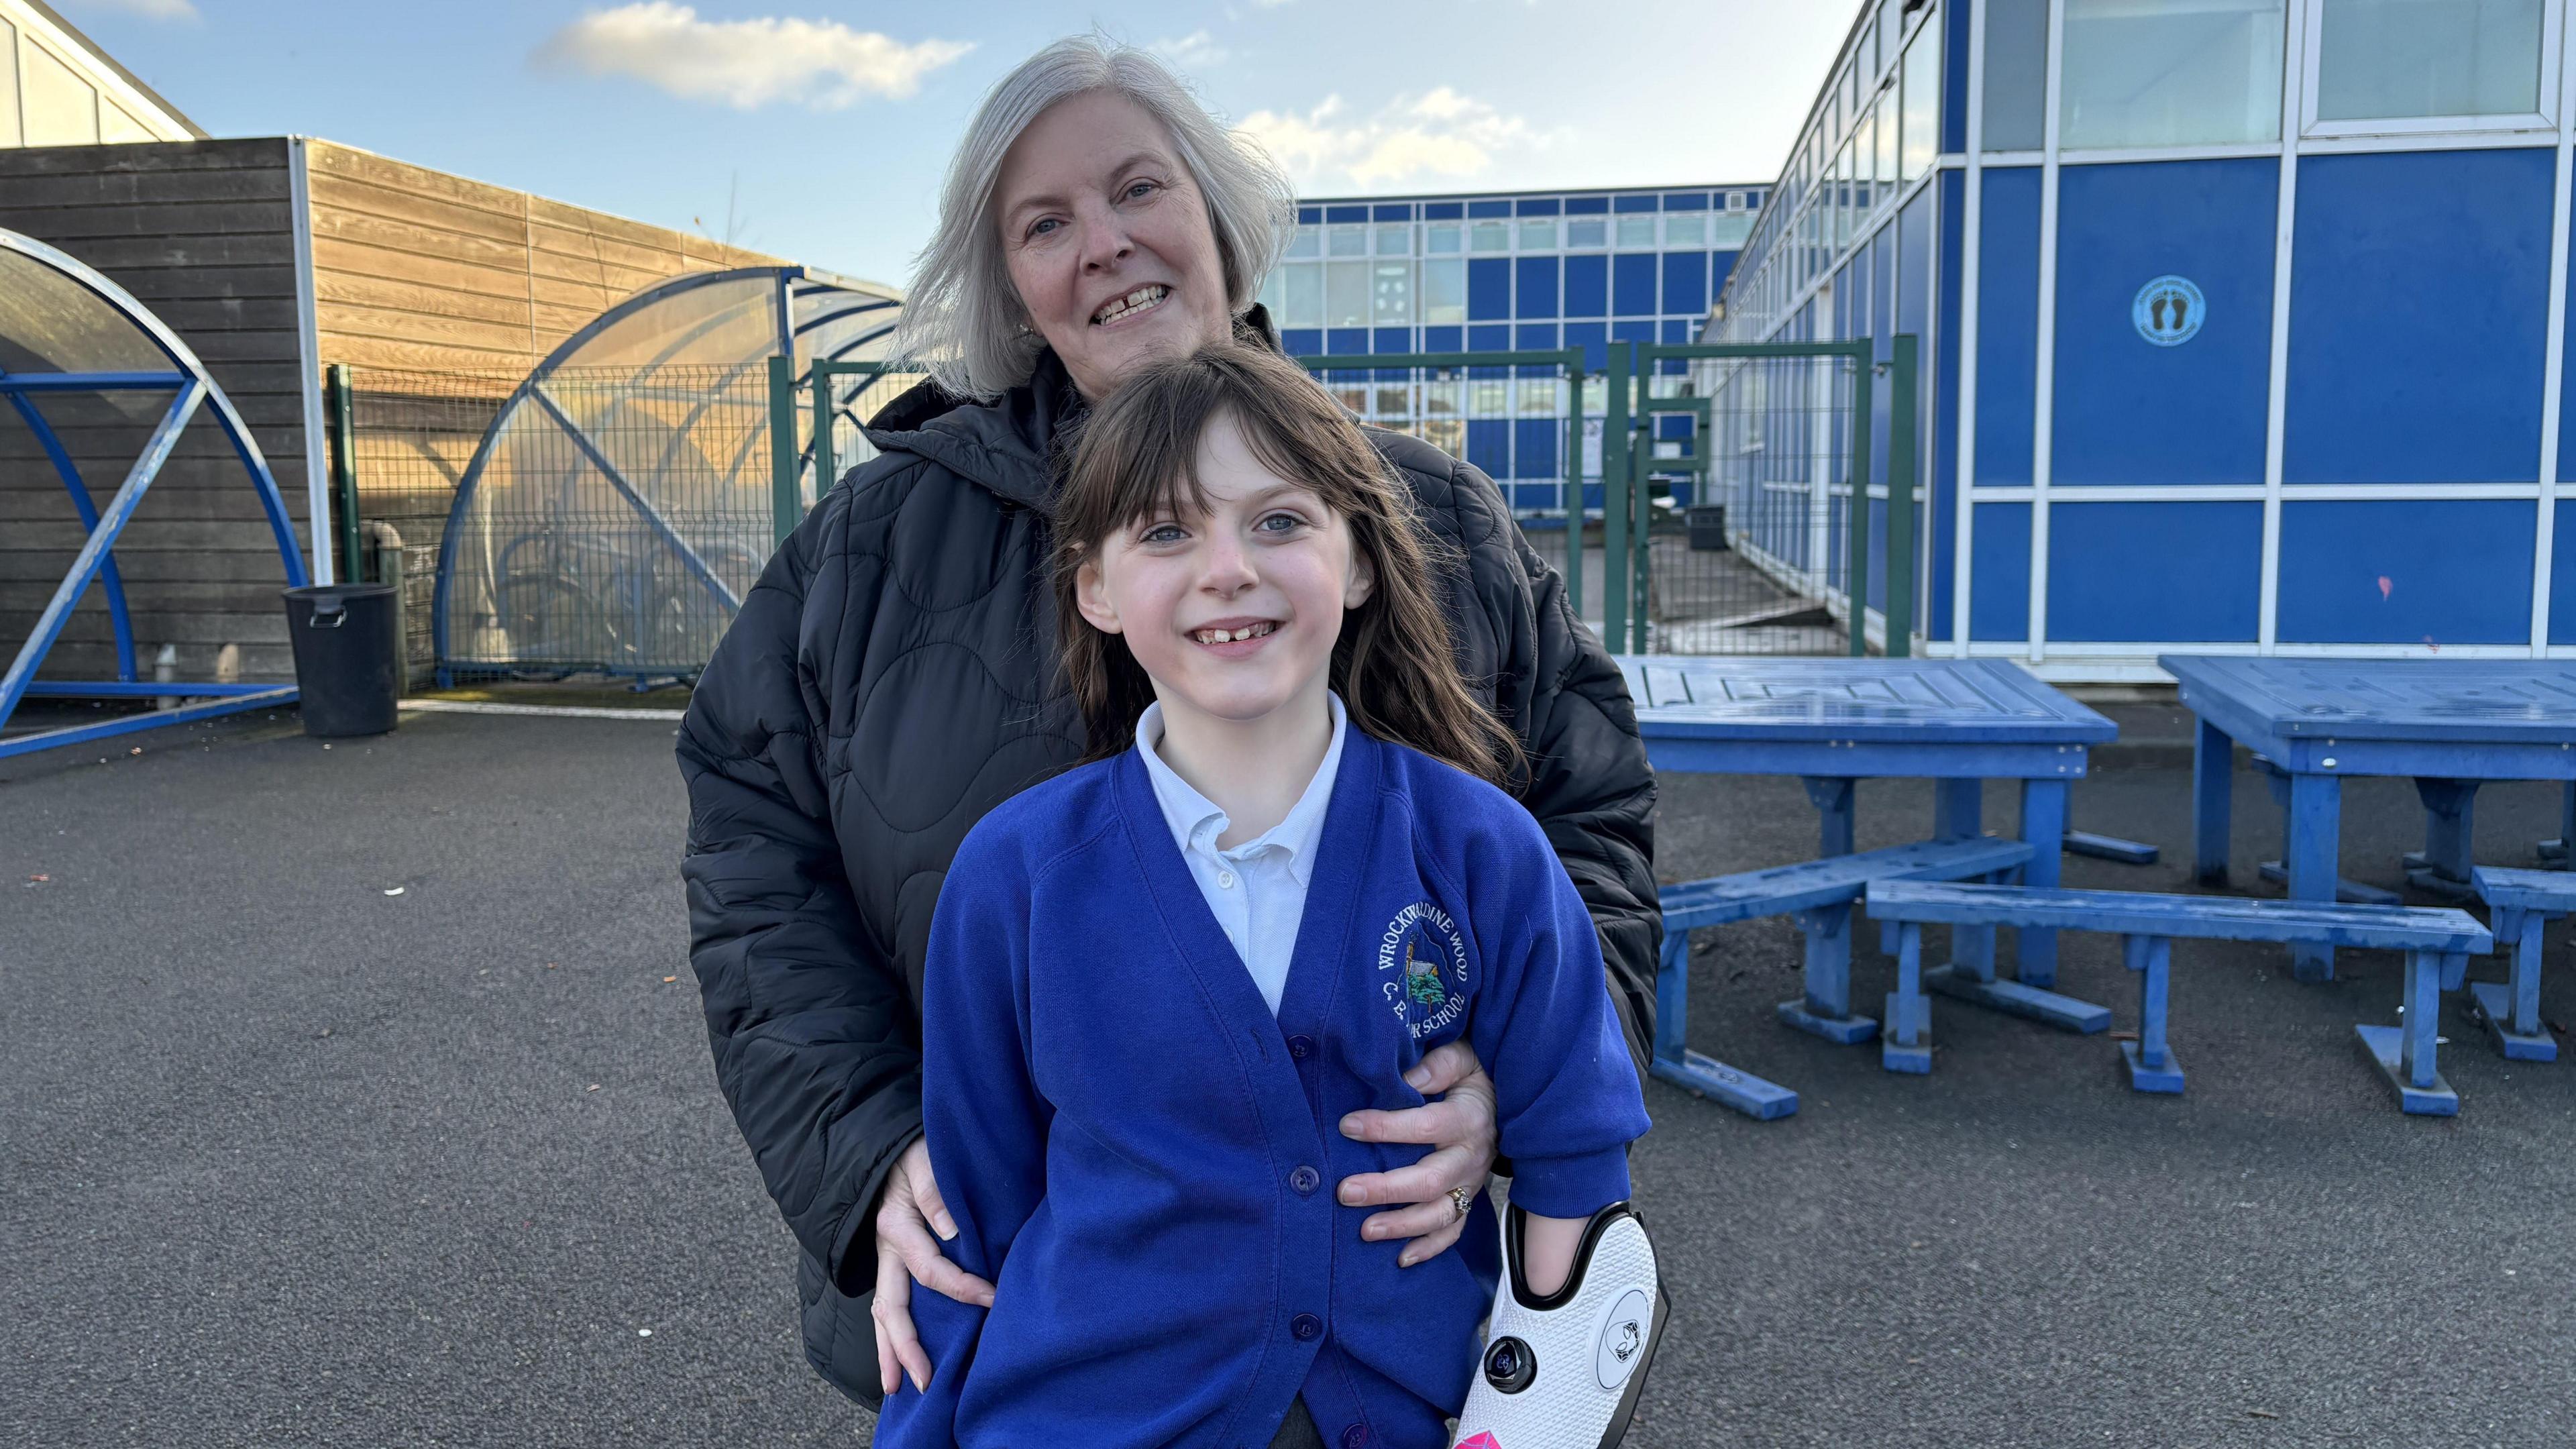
(1563, 1371)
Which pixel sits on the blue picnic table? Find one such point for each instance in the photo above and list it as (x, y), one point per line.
(2450, 724)
(1833, 722)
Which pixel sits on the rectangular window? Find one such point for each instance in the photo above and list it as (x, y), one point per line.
(62, 109)
(1589, 232)
(8, 84)
(1441, 238)
(1636, 231)
(1346, 241)
(1444, 293)
(1346, 294)
(1538, 234)
(1305, 295)
(1891, 24)
(1728, 233)
(1490, 236)
(2384, 59)
(1395, 240)
(1308, 242)
(1922, 103)
(1274, 295)
(1864, 154)
(1885, 111)
(1686, 229)
(2136, 75)
(2016, 74)
(1391, 295)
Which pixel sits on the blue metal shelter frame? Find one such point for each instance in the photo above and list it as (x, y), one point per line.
(191, 388)
(839, 319)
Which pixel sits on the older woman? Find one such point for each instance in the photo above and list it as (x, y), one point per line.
(891, 679)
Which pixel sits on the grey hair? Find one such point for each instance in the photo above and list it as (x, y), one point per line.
(962, 319)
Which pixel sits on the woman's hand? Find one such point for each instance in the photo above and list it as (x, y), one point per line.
(907, 1212)
(1461, 1131)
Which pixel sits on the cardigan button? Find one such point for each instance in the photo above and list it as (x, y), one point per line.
(1301, 1047)
(1355, 1437)
(1305, 1180)
(1307, 1327)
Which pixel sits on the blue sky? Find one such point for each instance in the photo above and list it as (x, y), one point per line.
(827, 123)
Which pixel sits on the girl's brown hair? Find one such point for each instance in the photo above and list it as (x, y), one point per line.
(1137, 458)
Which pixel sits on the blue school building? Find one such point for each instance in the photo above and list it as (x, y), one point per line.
(2243, 321)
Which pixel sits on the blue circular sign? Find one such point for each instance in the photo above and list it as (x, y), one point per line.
(2168, 311)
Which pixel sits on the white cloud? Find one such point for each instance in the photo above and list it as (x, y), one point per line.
(744, 63)
(151, 9)
(1195, 49)
(1441, 134)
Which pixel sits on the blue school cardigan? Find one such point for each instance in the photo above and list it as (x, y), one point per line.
(1142, 1159)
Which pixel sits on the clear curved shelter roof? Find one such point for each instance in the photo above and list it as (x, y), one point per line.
(620, 504)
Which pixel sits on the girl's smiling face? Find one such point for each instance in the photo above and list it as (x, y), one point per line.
(1234, 612)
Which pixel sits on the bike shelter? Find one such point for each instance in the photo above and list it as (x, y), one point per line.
(66, 331)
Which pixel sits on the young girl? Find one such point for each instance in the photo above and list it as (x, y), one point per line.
(1156, 983)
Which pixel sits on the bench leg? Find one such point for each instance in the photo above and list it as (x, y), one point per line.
(2043, 824)
(2213, 767)
(2313, 838)
(2405, 1052)
(2450, 824)
(2151, 1063)
(1958, 809)
(1906, 1045)
(2511, 1009)
(1678, 1064)
(1826, 1010)
(1833, 801)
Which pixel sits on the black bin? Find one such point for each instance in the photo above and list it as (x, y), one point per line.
(348, 657)
(1707, 525)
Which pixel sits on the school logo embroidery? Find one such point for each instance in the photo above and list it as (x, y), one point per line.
(1422, 961)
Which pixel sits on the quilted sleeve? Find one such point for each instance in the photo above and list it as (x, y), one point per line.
(813, 1030)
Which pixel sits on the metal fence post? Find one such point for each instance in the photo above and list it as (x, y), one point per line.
(827, 468)
(786, 501)
(1614, 504)
(1574, 480)
(1900, 498)
(1856, 531)
(344, 467)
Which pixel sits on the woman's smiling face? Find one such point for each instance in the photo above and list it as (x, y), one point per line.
(1233, 613)
(1107, 239)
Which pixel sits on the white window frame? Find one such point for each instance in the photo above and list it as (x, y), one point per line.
(2552, 16)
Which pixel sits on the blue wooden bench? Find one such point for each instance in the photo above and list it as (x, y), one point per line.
(2437, 943)
(2521, 903)
(1820, 893)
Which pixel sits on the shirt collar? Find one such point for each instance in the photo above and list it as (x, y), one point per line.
(1197, 821)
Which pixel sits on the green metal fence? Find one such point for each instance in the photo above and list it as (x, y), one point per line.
(1699, 498)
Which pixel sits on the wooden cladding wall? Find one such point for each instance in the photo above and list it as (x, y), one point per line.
(413, 269)
(202, 233)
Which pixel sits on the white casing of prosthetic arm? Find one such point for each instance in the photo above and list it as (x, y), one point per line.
(1563, 1372)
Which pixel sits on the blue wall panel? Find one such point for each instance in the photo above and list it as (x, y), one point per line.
(2562, 577)
(1999, 572)
(2455, 572)
(1489, 446)
(1538, 450)
(2418, 306)
(1489, 289)
(1587, 286)
(1594, 339)
(1720, 265)
(1954, 78)
(1303, 341)
(2191, 573)
(1686, 282)
(2128, 411)
(1534, 287)
(1443, 339)
(1632, 291)
(2007, 325)
(1945, 416)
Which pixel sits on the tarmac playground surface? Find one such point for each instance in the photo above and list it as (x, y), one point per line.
(288, 1158)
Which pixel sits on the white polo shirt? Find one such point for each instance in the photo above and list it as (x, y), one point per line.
(1257, 890)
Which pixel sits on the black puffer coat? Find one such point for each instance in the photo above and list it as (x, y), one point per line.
(893, 676)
